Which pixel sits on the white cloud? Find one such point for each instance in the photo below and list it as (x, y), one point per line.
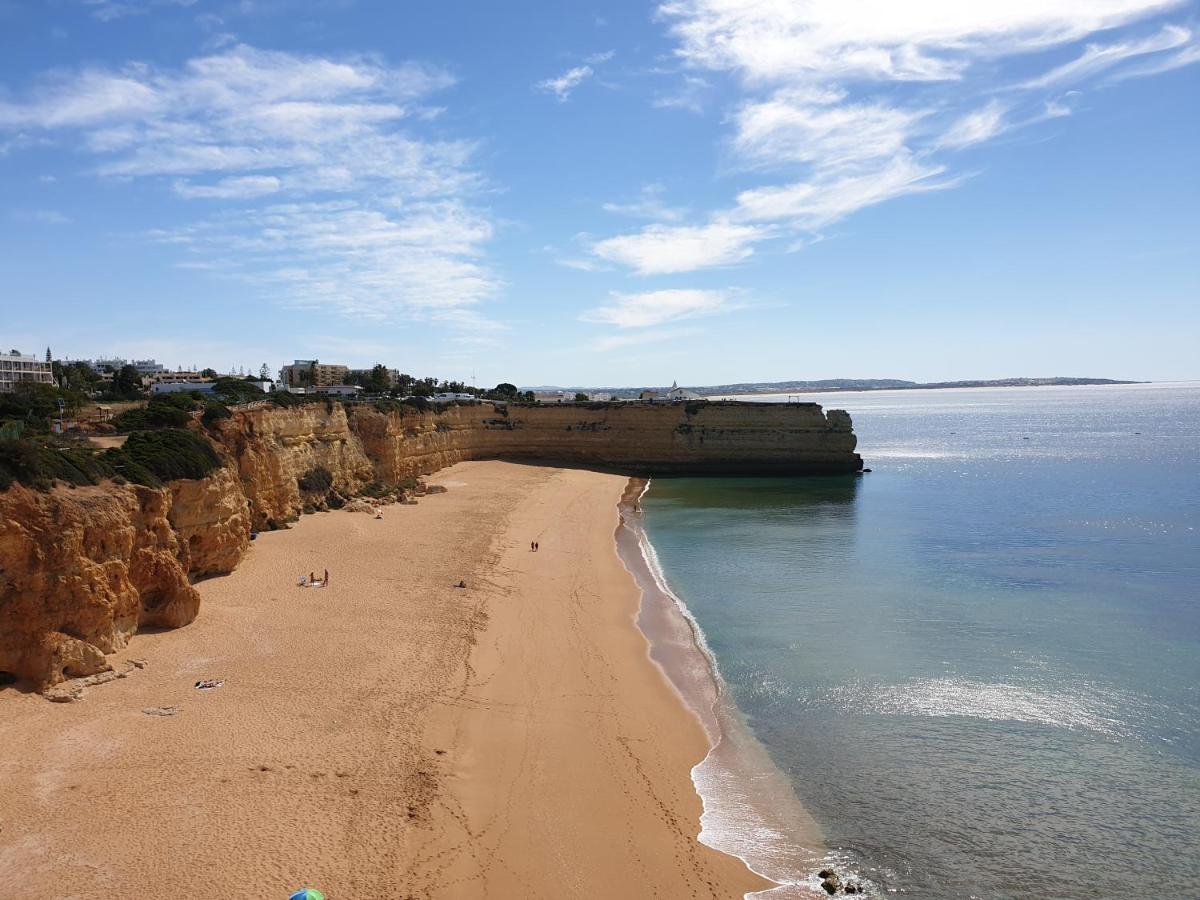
(230, 188)
(648, 205)
(1099, 57)
(109, 10)
(921, 40)
(377, 219)
(660, 249)
(562, 86)
(657, 307)
(42, 216)
(421, 260)
(976, 127)
(852, 103)
(800, 125)
(815, 204)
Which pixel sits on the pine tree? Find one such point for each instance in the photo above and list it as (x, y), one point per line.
(49, 358)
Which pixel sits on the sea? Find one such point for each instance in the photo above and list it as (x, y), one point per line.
(973, 672)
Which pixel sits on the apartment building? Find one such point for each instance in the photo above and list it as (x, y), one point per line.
(16, 367)
(304, 373)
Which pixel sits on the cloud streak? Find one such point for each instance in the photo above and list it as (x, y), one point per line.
(844, 107)
(319, 185)
(658, 307)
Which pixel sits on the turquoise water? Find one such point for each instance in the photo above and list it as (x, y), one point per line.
(979, 664)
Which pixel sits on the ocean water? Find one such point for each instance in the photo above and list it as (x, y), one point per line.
(978, 666)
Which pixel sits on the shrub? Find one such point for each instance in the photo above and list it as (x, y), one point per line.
(214, 412)
(418, 403)
(163, 411)
(169, 454)
(316, 480)
(38, 466)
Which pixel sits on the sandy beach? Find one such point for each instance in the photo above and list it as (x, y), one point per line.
(390, 735)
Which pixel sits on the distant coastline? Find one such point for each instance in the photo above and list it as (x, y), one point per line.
(835, 385)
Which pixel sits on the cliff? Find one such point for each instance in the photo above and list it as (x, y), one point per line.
(81, 569)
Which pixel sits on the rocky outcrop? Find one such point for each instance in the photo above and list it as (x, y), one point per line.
(211, 516)
(81, 569)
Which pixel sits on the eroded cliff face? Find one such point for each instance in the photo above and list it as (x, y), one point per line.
(81, 569)
(272, 449)
(658, 439)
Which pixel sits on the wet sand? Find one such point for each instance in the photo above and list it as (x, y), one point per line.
(390, 735)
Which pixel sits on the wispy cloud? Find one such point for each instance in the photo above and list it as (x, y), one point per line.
(843, 107)
(562, 86)
(977, 126)
(662, 249)
(609, 342)
(110, 10)
(658, 307)
(230, 188)
(648, 205)
(340, 201)
(1097, 58)
(41, 216)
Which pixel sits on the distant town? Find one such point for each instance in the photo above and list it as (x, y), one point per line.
(116, 379)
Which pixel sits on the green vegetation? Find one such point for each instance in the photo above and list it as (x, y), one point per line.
(127, 384)
(169, 454)
(148, 458)
(237, 390)
(163, 411)
(581, 397)
(35, 405)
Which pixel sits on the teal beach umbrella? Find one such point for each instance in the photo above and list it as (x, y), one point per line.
(307, 894)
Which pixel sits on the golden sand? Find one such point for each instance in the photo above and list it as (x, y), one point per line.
(388, 736)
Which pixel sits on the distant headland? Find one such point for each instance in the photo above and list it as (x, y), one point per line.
(832, 385)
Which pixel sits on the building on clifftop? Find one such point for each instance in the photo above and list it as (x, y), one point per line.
(17, 368)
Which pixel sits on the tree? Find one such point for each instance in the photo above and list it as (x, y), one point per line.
(48, 356)
(127, 383)
(378, 380)
(208, 373)
(264, 373)
(528, 397)
(581, 397)
(506, 391)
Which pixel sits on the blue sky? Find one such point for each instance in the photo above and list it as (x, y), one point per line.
(629, 193)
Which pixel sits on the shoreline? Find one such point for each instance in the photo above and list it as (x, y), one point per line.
(390, 734)
(751, 810)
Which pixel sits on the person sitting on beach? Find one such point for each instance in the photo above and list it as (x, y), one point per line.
(461, 584)
(312, 577)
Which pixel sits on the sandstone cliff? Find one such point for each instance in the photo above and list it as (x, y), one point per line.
(81, 569)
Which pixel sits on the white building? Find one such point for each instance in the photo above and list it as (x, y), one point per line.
(16, 367)
(552, 396)
(337, 390)
(678, 393)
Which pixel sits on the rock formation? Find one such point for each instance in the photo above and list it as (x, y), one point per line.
(82, 568)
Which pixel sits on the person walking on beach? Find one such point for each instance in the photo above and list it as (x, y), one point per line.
(532, 546)
(325, 583)
(312, 577)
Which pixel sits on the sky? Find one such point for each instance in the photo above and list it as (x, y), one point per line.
(701, 191)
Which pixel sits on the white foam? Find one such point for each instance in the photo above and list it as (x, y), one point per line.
(750, 807)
